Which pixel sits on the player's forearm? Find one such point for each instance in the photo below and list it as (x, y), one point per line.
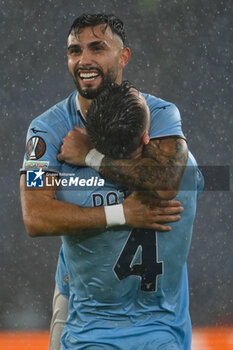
(144, 175)
(56, 218)
(159, 171)
(141, 174)
(45, 216)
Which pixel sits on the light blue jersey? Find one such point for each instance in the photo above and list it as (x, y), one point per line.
(127, 287)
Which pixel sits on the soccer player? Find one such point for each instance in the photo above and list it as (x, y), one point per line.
(112, 136)
(124, 134)
(97, 54)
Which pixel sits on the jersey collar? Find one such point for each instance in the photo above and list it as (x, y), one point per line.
(79, 109)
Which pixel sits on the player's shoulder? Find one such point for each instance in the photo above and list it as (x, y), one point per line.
(62, 112)
(165, 119)
(191, 159)
(192, 163)
(158, 105)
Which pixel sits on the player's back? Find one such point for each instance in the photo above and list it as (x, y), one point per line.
(132, 283)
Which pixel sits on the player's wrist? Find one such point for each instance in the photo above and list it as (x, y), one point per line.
(114, 215)
(94, 159)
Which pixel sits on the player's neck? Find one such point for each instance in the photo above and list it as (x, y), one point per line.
(84, 104)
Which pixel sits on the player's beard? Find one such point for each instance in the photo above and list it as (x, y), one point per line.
(91, 93)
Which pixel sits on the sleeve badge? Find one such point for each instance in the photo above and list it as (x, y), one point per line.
(36, 148)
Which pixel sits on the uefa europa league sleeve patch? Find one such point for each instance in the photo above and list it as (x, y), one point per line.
(36, 148)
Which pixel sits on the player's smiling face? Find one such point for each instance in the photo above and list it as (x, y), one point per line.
(95, 56)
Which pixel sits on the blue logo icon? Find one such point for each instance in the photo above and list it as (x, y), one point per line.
(35, 178)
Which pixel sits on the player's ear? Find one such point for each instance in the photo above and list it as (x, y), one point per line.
(124, 57)
(145, 138)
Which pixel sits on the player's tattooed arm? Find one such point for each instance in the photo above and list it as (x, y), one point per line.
(159, 170)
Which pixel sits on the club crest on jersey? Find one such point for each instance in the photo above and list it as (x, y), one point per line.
(36, 148)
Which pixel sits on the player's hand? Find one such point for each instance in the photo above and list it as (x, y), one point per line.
(75, 147)
(152, 215)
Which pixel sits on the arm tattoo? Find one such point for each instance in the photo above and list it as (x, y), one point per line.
(160, 168)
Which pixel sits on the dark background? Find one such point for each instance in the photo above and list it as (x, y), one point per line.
(182, 51)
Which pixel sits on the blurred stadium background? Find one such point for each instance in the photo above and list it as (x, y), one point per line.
(182, 51)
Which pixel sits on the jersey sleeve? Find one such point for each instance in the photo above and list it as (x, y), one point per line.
(199, 178)
(42, 146)
(200, 182)
(165, 118)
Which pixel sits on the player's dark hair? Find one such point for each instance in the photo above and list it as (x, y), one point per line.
(116, 120)
(91, 20)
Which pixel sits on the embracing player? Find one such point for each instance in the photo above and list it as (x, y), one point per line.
(151, 266)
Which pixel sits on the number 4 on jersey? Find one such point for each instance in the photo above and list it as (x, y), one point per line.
(149, 268)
